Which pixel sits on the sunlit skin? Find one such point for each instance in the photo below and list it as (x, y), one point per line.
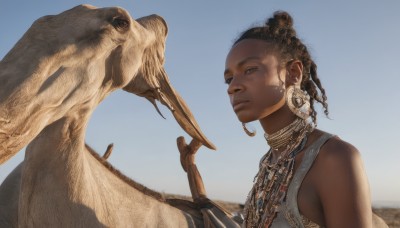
(335, 192)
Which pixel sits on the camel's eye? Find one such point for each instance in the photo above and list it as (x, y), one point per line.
(120, 23)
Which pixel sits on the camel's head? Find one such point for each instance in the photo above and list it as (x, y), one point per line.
(67, 63)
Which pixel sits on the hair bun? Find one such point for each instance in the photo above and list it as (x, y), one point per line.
(280, 21)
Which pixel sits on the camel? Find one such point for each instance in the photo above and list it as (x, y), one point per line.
(50, 83)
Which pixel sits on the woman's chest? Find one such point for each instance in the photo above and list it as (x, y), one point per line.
(308, 201)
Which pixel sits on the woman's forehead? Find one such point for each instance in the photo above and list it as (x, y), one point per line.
(249, 49)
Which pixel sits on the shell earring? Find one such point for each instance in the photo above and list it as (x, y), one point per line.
(298, 101)
(251, 132)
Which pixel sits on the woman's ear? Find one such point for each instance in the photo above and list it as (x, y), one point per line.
(294, 73)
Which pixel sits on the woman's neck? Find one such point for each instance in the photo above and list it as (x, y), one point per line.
(277, 120)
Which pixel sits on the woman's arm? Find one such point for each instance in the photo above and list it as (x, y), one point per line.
(342, 186)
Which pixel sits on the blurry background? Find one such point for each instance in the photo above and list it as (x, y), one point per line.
(354, 43)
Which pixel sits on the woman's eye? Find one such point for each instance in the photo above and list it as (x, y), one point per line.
(228, 80)
(250, 70)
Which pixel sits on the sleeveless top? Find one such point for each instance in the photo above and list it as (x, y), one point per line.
(289, 215)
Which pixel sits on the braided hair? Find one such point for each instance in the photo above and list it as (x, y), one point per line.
(278, 30)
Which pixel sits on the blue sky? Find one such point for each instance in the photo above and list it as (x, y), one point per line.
(354, 43)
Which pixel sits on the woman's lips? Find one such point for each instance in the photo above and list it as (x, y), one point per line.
(239, 104)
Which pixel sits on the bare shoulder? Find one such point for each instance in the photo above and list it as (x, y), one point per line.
(341, 184)
(338, 159)
(338, 152)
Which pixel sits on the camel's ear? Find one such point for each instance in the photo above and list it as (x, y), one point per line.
(159, 28)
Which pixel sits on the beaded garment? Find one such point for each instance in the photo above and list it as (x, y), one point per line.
(272, 180)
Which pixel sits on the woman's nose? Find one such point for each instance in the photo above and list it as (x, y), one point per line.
(235, 86)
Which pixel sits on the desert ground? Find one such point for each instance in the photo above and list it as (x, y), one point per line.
(390, 215)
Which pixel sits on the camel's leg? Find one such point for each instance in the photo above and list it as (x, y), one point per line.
(213, 214)
(187, 156)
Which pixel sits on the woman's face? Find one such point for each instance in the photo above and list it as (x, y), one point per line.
(255, 87)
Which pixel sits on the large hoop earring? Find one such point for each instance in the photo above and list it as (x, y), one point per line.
(298, 101)
(248, 132)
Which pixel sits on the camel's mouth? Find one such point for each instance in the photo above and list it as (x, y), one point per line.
(72, 61)
(156, 85)
(182, 113)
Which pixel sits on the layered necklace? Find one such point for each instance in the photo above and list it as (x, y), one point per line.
(273, 178)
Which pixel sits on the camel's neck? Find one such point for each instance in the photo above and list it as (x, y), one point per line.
(61, 178)
(43, 90)
(53, 161)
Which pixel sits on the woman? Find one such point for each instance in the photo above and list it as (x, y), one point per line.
(308, 178)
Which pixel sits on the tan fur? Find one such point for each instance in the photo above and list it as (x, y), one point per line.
(50, 83)
(124, 178)
(9, 197)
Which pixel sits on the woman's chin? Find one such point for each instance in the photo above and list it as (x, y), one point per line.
(244, 117)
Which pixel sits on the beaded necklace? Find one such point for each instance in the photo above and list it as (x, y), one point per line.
(272, 180)
(282, 137)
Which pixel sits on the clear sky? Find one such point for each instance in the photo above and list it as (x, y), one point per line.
(356, 45)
